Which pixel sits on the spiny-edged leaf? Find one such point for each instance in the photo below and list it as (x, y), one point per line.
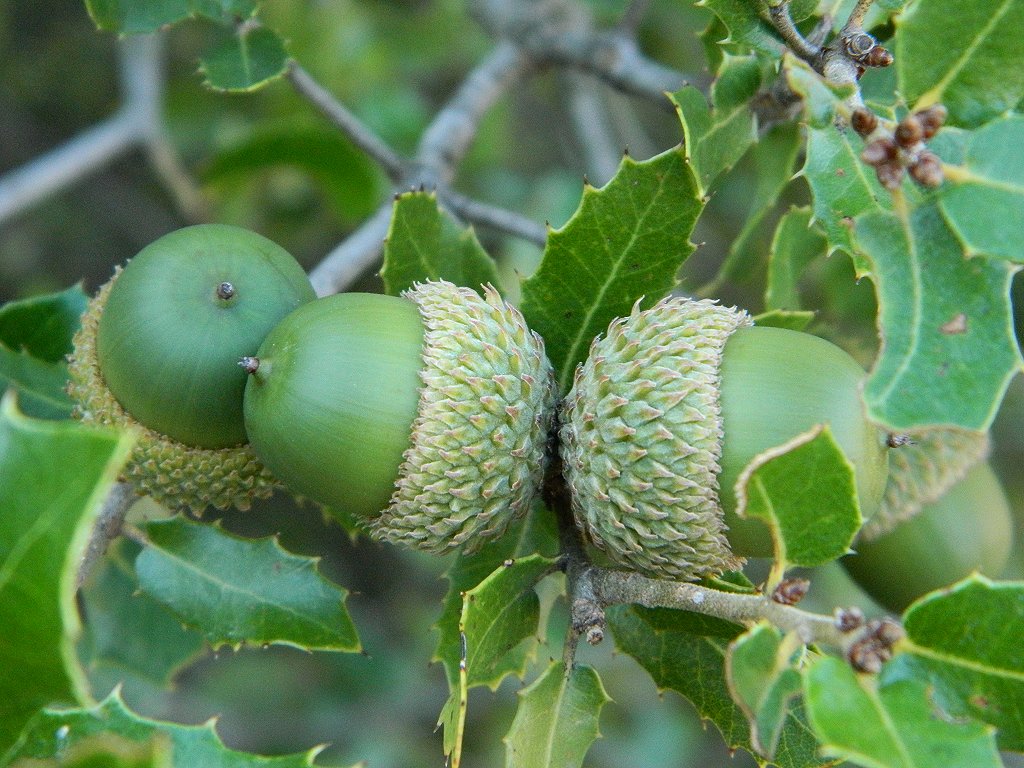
(556, 721)
(773, 160)
(626, 241)
(964, 644)
(749, 27)
(946, 325)
(983, 201)
(55, 731)
(686, 653)
(716, 137)
(894, 725)
(43, 326)
(243, 57)
(129, 639)
(238, 591)
(53, 479)
(763, 681)
(804, 491)
(348, 179)
(40, 384)
(796, 243)
(426, 243)
(136, 16)
(534, 534)
(965, 56)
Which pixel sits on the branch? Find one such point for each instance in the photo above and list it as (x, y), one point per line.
(492, 216)
(353, 256)
(107, 528)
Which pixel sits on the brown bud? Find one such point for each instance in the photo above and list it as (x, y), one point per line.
(878, 151)
(896, 440)
(791, 591)
(909, 132)
(863, 121)
(859, 45)
(889, 174)
(932, 119)
(849, 619)
(927, 171)
(878, 57)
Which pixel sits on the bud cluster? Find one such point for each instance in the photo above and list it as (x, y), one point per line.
(904, 151)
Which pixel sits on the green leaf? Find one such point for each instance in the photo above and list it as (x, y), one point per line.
(53, 479)
(964, 644)
(686, 653)
(804, 491)
(626, 242)
(426, 243)
(764, 682)
(946, 325)
(129, 639)
(43, 326)
(983, 201)
(244, 56)
(749, 28)
(893, 725)
(55, 732)
(794, 320)
(243, 591)
(715, 138)
(136, 16)
(40, 384)
(963, 55)
(796, 243)
(556, 721)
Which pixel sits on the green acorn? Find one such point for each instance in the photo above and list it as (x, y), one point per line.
(426, 416)
(157, 353)
(671, 405)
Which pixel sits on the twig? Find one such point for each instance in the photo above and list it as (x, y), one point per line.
(591, 120)
(855, 23)
(353, 256)
(501, 219)
(783, 23)
(107, 528)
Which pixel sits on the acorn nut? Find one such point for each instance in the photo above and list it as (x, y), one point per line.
(425, 416)
(157, 353)
(670, 406)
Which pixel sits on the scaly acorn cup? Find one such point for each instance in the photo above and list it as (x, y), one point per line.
(968, 529)
(425, 416)
(670, 406)
(158, 349)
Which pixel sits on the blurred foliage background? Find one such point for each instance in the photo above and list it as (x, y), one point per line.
(266, 161)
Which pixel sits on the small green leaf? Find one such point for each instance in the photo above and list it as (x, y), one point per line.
(53, 479)
(984, 200)
(55, 732)
(964, 644)
(137, 16)
(893, 725)
(797, 242)
(556, 721)
(946, 325)
(805, 492)
(748, 27)
(965, 56)
(626, 242)
(244, 56)
(793, 319)
(40, 384)
(763, 681)
(426, 243)
(243, 591)
(43, 326)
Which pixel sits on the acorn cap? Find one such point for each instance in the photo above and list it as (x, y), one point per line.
(641, 436)
(176, 475)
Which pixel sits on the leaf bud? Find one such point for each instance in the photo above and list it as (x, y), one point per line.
(909, 132)
(932, 118)
(878, 151)
(927, 171)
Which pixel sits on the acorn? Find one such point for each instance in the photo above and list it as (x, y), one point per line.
(157, 353)
(425, 417)
(968, 529)
(670, 406)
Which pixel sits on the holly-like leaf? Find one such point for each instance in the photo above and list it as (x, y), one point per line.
(797, 242)
(40, 384)
(764, 682)
(426, 243)
(244, 56)
(686, 652)
(716, 137)
(747, 25)
(946, 325)
(983, 200)
(965, 56)
(805, 492)
(556, 721)
(53, 479)
(626, 242)
(238, 591)
(58, 732)
(892, 725)
(43, 326)
(138, 16)
(964, 644)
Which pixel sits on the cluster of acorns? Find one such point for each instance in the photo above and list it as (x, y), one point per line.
(431, 418)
